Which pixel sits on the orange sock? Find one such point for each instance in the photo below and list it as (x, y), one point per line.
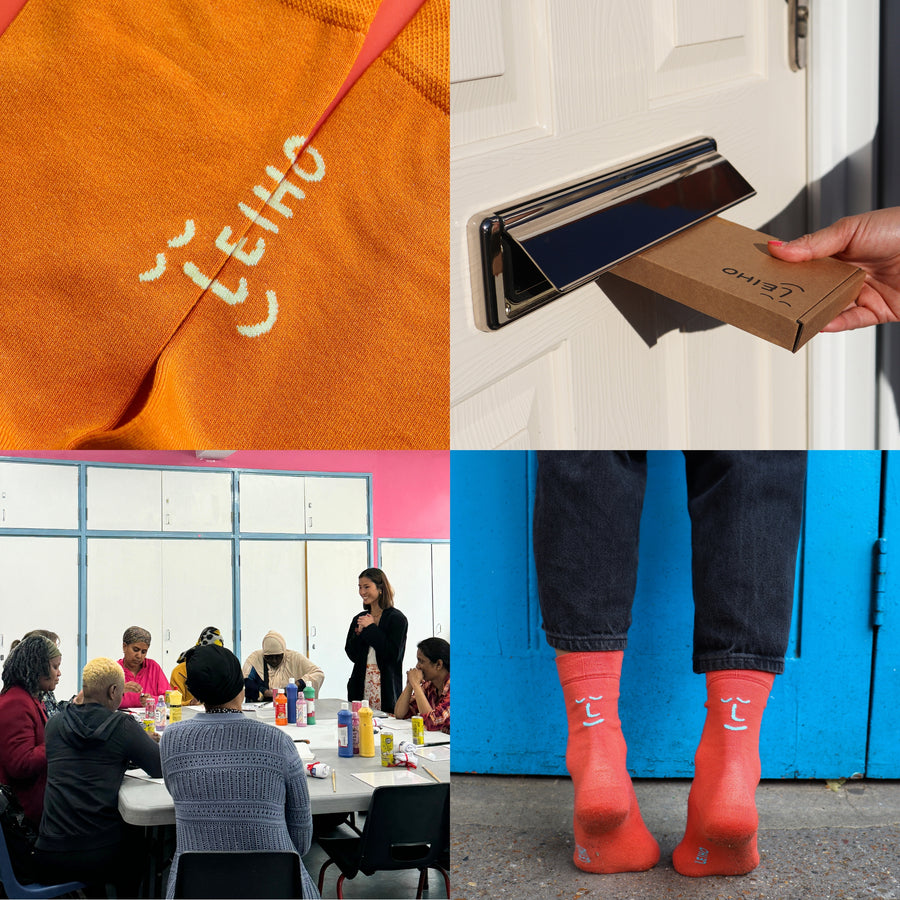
(720, 838)
(181, 268)
(610, 835)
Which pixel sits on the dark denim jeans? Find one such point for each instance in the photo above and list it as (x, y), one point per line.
(745, 507)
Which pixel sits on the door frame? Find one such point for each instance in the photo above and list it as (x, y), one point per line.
(843, 67)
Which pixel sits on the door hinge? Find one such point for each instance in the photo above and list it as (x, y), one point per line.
(879, 582)
(798, 33)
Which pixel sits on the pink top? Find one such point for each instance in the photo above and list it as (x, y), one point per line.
(151, 678)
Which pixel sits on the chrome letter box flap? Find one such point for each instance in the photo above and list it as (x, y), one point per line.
(530, 253)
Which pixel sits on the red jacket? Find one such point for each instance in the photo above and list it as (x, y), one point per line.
(23, 757)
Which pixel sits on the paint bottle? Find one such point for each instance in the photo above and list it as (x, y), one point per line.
(418, 730)
(300, 712)
(366, 731)
(159, 717)
(310, 693)
(354, 710)
(174, 701)
(345, 730)
(291, 691)
(387, 748)
(280, 708)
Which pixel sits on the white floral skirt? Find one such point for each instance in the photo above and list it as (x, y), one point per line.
(372, 689)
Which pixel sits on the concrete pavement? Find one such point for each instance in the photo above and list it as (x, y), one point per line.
(511, 837)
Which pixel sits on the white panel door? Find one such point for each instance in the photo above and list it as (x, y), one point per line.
(408, 568)
(124, 588)
(124, 499)
(272, 504)
(273, 594)
(336, 505)
(579, 86)
(332, 590)
(40, 590)
(173, 588)
(197, 592)
(196, 501)
(33, 495)
(440, 572)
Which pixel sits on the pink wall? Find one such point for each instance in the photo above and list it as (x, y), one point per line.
(410, 489)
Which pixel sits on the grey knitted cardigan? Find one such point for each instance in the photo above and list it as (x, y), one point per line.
(238, 784)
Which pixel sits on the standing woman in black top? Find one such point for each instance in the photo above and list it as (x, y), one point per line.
(376, 643)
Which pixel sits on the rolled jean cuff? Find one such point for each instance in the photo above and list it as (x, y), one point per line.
(773, 665)
(582, 644)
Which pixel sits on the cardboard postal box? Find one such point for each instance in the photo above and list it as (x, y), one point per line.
(725, 271)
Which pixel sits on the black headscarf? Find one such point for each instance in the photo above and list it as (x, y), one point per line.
(213, 674)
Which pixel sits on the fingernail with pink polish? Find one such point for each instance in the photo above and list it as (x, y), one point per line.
(776, 243)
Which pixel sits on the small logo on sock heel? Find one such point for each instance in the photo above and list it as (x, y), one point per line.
(583, 854)
(702, 856)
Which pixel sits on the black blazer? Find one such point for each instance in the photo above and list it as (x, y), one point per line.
(388, 638)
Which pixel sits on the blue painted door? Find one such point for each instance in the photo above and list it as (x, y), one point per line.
(818, 720)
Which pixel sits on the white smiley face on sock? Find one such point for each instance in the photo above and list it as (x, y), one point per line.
(734, 715)
(590, 715)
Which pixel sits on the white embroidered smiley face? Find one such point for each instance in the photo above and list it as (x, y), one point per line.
(587, 709)
(734, 715)
(295, 148)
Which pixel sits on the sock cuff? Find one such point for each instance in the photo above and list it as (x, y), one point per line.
(763, 680)
(584, 664)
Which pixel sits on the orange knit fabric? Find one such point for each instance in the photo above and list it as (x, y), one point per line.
(180, 270)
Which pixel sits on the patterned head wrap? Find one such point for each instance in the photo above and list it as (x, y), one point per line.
(210, 635)
(136, 635)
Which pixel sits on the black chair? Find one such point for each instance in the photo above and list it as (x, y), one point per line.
(238, 874)
(407, 827)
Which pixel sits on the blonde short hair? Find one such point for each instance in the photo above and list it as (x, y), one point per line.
(100, 673)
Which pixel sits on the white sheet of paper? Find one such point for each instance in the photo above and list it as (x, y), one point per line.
(402, 729)
(390, 777)
(140, 773)
(435, 753)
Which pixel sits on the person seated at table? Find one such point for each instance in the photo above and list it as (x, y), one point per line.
(48, 698)
(31, 668)
(89, 747)
(143, 677)
(237, 783)
(268, 669)
(427, 691)
(178, 678)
